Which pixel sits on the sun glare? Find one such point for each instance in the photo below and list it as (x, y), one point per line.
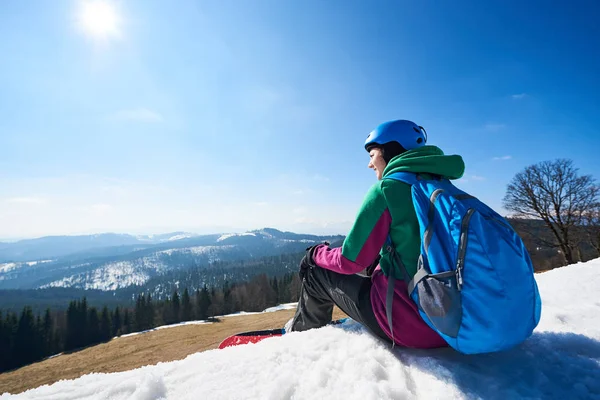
(99, 19)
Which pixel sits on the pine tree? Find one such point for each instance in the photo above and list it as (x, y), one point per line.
(176, 307)
(167, 312)
(83, 317)
(275, 286)
(4, 343)
(216, 302)
(284, 293)
(186, 306)
(127, 323)
(37, 346)
(116, 322)
(150, 312)
(144, 313)
(48, 337)
(227, 299)
(11, 325)
(82, 322)
(203, 303)
(105, 331)
(139, 314)
(197, 304)
(75, 326)
(93, 332)
(70, 328)
(294, 287)
(24, 352)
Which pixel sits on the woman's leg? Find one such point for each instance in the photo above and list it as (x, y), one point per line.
(322, 288)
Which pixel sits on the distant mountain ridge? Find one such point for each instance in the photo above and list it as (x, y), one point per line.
(49, 247)
(114, 261)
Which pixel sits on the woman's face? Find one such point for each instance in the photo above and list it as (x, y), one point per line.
(377, 162)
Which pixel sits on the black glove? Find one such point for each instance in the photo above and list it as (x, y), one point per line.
(307, 261)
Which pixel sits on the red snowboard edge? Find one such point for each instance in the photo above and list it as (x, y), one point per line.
(249, 337)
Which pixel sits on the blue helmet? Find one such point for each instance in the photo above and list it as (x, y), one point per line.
(406, 133)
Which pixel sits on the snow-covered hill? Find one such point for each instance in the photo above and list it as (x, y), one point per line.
(120, 274)
(560, 361)
(111, 268)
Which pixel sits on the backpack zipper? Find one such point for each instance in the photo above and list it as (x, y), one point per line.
(462, 248)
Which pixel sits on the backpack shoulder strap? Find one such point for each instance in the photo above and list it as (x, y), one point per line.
(410, 179)
(389, 297)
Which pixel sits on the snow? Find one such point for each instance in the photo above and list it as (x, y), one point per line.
(228, 235)
(560, 361)
(298, 241)
(30, 263)
(111, 276)
(179, 237)
(164, 327)
(7, 267)
(239, 313)
(198, 250)
(120, 274)
(286, 306)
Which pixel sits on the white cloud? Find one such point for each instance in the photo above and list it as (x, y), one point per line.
(26, 200)
(477, 178)
(519, 96)
(300, 210)
(138, 114)
(261, 204)
(503, 158)
(492, 127)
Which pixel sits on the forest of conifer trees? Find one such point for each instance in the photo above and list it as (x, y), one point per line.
(26, 338)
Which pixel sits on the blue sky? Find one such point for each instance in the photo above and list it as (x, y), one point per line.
(234, 115)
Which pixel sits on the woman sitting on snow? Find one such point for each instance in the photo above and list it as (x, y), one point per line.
(330, 276)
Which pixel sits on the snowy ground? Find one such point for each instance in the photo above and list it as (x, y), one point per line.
(560, 361)
(286, 306)
(164, 327)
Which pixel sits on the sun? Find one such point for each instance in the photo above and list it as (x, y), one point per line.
(99, 19)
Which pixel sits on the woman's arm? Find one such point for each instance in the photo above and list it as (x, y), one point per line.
(362, 245)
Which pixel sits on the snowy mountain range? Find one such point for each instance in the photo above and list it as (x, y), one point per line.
(112, 261)
(561, 360)
(52, 247)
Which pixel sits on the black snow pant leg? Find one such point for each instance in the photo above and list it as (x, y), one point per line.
(322, 289)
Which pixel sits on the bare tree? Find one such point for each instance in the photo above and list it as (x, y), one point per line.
(554, 192)
(591, 221)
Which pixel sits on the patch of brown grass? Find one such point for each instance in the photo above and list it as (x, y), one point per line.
(132, 352)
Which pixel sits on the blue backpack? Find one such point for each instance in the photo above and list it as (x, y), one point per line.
(474, 283)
